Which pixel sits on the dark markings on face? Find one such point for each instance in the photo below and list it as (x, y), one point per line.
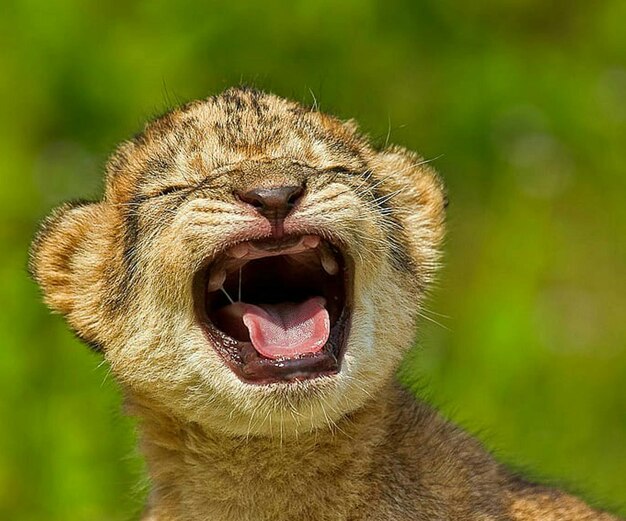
(396, 233)
(130, 213)
(235, 103)
(129, 252)
(180, 133)
(156, 167)
(168, 199)
(368, 190)
(191, 131)
(255, 103)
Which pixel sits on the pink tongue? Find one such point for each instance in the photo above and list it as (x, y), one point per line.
(288, 330)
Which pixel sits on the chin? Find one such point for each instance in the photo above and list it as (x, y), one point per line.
(289, 396)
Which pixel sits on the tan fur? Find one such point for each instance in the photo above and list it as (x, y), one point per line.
(348, 447)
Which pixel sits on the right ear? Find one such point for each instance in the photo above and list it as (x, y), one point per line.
(66, 260)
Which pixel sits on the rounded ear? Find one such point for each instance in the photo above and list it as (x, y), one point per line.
(66, 258)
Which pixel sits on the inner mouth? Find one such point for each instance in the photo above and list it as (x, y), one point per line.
(277, 310)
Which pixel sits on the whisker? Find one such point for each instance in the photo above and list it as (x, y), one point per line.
(426, 317)
(383, 199)
(426, 161)
(315, 104)
(106, 376)
(388, 131)
(329, 422)
(227, 295)
(425, 310)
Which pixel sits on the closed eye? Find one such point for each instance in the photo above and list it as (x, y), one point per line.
(169, 190)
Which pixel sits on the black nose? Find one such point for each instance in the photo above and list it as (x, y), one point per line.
(274, 203)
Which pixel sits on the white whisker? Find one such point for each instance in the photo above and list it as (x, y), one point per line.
(426, 317)
(227, 295)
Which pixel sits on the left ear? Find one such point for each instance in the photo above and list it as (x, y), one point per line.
(419, 201)
(67, 259)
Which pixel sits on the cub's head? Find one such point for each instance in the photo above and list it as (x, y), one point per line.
(252, 263)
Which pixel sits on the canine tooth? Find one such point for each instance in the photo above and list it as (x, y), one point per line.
(328, 262)
(216, 280)
(311, 241)
(239, 251)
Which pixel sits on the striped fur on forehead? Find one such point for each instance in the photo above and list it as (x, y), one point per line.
(234, 126)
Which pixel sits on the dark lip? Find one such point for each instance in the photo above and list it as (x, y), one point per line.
(241, 357)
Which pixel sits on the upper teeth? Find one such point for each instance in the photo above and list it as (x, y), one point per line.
(311, 241)
(239, 251)
(216, 279)
(250, 251)
(244, 252)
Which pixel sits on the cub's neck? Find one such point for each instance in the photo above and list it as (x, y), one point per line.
(197, 474)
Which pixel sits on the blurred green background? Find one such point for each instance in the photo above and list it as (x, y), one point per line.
(522, 102)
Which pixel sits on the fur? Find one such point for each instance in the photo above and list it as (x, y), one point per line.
(353, 446)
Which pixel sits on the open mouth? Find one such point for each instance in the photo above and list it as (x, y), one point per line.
(277, 310)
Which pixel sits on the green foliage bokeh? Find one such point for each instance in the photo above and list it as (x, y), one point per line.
(521, 102)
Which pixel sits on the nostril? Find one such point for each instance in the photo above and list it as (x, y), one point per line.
(257, 203)
(251, 197)
(295, 196)
(275, 202)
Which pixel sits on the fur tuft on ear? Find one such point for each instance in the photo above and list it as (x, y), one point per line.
(65, 259)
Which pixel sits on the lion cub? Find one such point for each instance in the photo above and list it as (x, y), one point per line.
(253, 275)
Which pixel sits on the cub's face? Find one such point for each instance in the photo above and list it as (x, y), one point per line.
(254, 266)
